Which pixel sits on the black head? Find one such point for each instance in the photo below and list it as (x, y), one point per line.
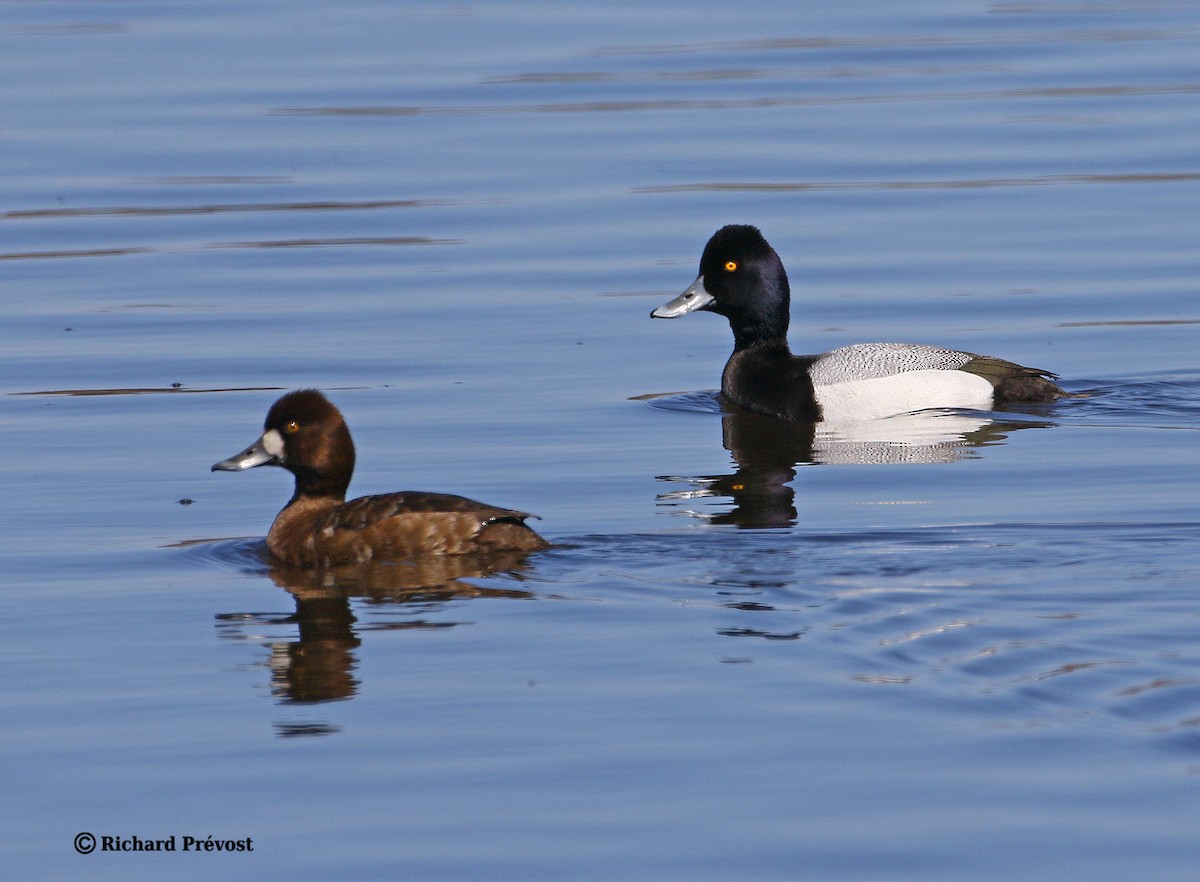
(306, 435)
(742, 278)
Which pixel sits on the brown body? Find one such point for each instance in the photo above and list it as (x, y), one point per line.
(307, 435)
(320, 531)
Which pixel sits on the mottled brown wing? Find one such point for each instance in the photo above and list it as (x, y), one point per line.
(413, 524)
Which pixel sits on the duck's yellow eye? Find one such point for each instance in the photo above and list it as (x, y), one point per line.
(292, 427)
(731, 266)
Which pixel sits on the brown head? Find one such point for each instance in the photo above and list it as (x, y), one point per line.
(306, 435)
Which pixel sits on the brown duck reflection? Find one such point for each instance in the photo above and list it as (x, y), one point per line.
(767, 451)
(319, 666)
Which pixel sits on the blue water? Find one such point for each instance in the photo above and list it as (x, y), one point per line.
(960, 646)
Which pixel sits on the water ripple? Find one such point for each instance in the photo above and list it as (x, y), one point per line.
(945, 184)
(215, 208)
(1016, 623)
(658, 105)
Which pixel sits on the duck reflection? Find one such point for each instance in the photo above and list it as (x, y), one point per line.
(766, 452)
(319, 666)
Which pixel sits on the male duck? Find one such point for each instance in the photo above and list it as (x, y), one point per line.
(306, 435)
(742, 278)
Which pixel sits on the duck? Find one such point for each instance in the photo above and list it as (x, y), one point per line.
(307, 435)
(743, 279)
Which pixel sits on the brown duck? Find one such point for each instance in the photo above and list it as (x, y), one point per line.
(305, 434)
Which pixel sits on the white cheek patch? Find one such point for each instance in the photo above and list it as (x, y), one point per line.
(272, 442)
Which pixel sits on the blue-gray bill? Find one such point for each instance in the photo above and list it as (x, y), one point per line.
(695, 297)
(256, 454)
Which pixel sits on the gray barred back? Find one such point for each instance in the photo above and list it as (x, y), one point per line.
(870, 361)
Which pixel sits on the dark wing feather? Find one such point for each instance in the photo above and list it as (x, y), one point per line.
(1014, 382)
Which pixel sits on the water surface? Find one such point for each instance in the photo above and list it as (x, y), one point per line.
(959, 644)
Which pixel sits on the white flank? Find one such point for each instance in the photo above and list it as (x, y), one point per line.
(902, 393)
